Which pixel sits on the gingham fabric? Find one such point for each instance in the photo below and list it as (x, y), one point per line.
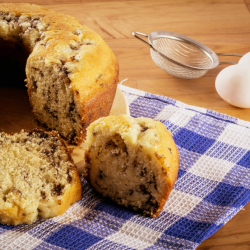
(213, 184)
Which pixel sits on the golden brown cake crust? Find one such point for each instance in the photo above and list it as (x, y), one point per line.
(132, 147)
(68, 47)
(169, 150)
(23, 196)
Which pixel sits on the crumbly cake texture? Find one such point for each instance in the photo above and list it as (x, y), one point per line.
(134, 162)
(71, 72)
(38, 178)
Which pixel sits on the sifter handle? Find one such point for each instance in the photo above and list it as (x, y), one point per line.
(228, 54)
(134, 33)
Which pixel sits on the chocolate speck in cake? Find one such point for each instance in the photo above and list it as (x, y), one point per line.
(33, 84)
(143, 128)
(69, 179)
(110, 145)
(130, 192)
(72, 136)
(101, 175)
(143, 172)
(43, 195)
(57, 190)
(46, 152)
(153, 182)
(152, 202)
(170, 149)
(41, 134)
(143, 189)
(52, 148)
(159, 156)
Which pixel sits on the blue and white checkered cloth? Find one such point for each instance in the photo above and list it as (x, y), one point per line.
(213, 185)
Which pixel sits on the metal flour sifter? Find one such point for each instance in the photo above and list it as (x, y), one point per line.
(181, 56)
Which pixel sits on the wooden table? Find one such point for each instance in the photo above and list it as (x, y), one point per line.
(224, 26)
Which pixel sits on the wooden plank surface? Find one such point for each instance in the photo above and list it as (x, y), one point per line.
(223, 25)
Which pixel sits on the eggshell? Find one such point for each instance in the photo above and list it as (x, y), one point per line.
(245, 59)
(233, 84)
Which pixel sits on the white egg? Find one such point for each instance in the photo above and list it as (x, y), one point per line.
(233, 84)
(245, 59)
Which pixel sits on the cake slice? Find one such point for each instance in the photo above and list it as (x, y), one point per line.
(38, 178)
(132, 161)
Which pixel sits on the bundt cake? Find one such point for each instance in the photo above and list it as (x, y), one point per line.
(38, 178)
(71, 72)
(132, 161)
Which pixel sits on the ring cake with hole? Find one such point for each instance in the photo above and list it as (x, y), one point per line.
(71, 72)
(38, 178)
(134, 162)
